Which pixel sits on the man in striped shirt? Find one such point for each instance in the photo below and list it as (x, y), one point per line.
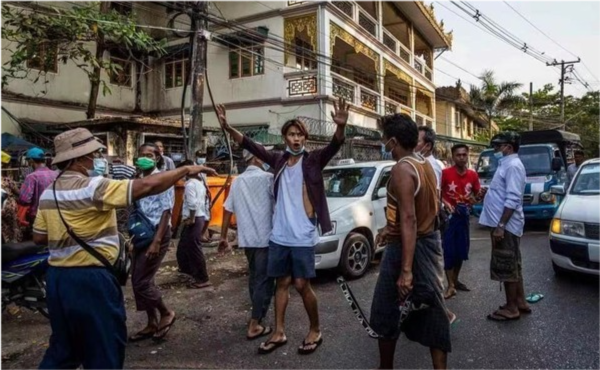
(120, 171)
(85, 301)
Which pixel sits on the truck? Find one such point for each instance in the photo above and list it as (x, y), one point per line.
(545, 156)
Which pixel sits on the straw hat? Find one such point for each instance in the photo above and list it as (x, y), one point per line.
(74, 144)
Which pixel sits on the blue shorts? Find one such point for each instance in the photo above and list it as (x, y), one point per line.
(297, 262)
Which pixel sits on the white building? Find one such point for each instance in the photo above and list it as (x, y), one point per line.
(269, 62)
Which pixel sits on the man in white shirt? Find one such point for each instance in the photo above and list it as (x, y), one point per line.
(579, 157)
(195, 214)
(251, 199)
(425, 147)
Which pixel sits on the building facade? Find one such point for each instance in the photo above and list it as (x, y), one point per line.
(267, 62)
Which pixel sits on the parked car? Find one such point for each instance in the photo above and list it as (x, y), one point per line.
(574, 232)
(357, 214)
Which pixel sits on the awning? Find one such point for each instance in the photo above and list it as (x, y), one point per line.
(11, 143)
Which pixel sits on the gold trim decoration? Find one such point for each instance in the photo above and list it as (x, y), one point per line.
(299, 24)
(387, 65)
(429, 13)
(423, 90)
(359, 47)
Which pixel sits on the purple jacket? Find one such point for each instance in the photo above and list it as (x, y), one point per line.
(34, 185)
(312, 170)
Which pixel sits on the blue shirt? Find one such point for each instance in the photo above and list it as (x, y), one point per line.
(506, 191)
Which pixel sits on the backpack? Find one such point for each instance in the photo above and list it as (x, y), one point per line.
(141, 231)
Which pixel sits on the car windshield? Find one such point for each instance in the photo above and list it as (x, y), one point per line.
(348, 182)
(587, 181)
(537, 160)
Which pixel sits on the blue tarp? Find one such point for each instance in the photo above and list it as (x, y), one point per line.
(11, 143)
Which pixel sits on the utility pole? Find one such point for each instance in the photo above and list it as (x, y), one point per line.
(564, 68)
(531, 106)
(198, 42)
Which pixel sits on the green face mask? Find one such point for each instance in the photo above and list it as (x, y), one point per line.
(145, 164)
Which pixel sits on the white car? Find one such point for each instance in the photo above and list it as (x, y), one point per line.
(574, 232)
(357, 214)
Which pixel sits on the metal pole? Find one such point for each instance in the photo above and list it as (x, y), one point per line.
(198, 65)
(531, 106)
(563, 68)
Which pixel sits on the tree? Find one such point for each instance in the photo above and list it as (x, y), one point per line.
(79, 35)
(493, 98)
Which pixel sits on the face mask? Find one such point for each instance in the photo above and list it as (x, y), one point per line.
(292, 152)
(498, 155)
(100, 166)
(200, 161)
(145, 164)
(265, 166)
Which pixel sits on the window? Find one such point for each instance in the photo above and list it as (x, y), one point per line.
(457, 122)
(365, 79)
(45, 57)
(122, 76)
(400, 97)
(246, 62)
(176, 71)
(122, 7)
(305, 56)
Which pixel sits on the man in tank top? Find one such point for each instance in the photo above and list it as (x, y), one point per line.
(412, 264)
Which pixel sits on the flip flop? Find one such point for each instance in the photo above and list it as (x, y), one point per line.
(451, 295)
(534, 298)
(266, 331)
(139, 336)
(497, 316)
(275, 345)
(303, 351)
(196, 285)
(462, 287)
(521, 310)
(166, 328)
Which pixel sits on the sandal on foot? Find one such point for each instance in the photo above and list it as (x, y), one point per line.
(266, 331)
(140, 335)
(305, 351)
(527, 310)
(196, 285)
(273, 346)
(450, 295)
(165, 330)
(462, 287)
(500, 315)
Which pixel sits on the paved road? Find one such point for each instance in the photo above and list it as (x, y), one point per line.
(563, 331)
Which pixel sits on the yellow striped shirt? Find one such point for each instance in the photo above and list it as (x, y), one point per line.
(88, 206)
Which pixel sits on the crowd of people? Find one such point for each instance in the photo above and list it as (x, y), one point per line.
(280, 206)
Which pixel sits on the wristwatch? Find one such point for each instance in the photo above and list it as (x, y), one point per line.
(501, 225)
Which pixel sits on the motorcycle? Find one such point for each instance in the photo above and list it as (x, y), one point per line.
(24, 267)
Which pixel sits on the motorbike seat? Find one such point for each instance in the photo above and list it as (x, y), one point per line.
(13, 251)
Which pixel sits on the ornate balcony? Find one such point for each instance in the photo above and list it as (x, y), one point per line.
(301, 84)
(355, 93)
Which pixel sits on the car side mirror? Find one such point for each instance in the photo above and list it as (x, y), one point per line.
(556, 164)
(381, 193)
(557, 189)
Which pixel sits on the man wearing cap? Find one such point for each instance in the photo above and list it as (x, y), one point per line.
(503, 213)
(85, 301)
(36, 182)
(251, 199)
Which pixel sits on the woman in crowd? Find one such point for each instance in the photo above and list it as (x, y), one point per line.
(145, 262)
(195, 216)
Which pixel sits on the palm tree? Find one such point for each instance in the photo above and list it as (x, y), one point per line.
(492, 98)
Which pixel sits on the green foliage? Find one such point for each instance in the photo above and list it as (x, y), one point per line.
(492, 97)
(36, 35)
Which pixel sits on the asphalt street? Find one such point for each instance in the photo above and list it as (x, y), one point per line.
(562, 332)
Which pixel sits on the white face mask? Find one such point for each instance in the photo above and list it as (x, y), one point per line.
(200, 161)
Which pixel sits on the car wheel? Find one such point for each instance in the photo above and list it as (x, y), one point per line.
(356, 256)
(558, 271)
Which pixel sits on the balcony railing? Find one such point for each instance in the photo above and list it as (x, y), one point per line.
(391, 107)
(396, 46)
(355, 93)
(301, 84)
(359, 15)
(423, 120)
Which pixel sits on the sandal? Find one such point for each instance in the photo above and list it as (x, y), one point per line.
(462, 287)
(266, 331)
(197, 285)
(534, 298)
(527, 310)
(140, 335)
(274, 345)
(165, 329)
(500, 315)
(302, 350)
(449, 295)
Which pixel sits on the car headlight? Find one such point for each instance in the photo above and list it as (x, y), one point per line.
(547, 197)
(569, 228)
(333, 229)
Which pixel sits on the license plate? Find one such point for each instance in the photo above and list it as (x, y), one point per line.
(594, 252)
